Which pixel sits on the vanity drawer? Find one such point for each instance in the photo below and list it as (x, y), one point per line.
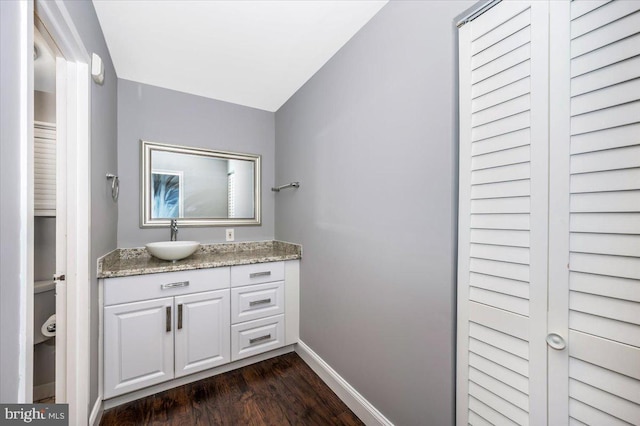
(257, 301)
(254, 337)
(257, 273)
(153, 286)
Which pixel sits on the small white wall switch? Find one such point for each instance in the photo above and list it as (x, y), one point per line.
(230, 234)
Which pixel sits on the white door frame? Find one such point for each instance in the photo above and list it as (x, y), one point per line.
(73, 106)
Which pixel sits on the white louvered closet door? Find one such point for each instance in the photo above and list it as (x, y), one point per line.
(549, 225)
(503, 178)
(595, 157)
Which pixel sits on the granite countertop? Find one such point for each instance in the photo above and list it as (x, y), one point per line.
(138, 261)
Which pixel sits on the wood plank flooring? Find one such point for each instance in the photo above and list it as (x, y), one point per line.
(280, 391)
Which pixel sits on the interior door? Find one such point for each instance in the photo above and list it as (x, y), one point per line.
(61, 231)
(503, 216)
(594, 287)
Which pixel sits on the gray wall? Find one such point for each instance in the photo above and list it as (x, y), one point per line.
(162, 115)
(12, 222)
(44, 106)
(371, 139)
(104, 212)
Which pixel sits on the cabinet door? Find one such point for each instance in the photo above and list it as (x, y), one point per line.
(138, 345)
(202, 337)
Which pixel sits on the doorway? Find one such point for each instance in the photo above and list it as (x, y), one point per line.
(45, 195)
(72, 212)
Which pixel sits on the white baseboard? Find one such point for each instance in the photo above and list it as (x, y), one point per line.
(347, 393)
(96, 412)
(44, 391)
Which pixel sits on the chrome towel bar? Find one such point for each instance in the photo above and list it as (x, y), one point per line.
(289, 185)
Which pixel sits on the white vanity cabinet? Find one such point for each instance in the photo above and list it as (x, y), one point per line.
(151, 341)
(158, 327)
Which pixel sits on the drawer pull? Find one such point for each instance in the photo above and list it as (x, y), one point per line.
(175, 285)
(259, 339)
(180, 316)
(260, 274)
(168, 322)
(259, 302)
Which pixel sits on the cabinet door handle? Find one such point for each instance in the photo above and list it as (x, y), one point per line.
(260, 274)
(259, 339)
(180, 316)
(259, 302)
(168, 323)
(174, 285)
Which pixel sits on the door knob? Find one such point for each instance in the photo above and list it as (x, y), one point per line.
(556, 341)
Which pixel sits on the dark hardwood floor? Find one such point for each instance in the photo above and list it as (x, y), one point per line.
(280, 391)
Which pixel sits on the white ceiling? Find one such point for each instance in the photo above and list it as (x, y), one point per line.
(253, 53)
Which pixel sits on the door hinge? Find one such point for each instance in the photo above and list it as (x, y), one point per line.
(61, 277)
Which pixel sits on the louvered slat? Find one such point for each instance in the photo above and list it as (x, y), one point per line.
(581, 7)
(608, 181)
(606, 202)
(499, 372)
(606, 97)
(611, 159)
(486, 412)
(513, 188)
(505, 157)
(614, 287)
(592, 416)
(503, 79)
(616, 407)
(617, 30)
(506, 254)
(600, 17)
(612, 53)
(499, 388)
(506, 286)
(507, 360)
(613, 266)
(500, 237)
(606, 380)
(476, 420)
(500, 221)
(617, 331)
(503, 93)
(606, 139)
(604, 77)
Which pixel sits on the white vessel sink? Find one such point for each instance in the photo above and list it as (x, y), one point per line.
(173, 250)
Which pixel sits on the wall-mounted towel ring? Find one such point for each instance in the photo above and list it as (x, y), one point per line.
(289, 185)
(115, 186)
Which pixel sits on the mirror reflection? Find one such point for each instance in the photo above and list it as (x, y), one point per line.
(199, 187)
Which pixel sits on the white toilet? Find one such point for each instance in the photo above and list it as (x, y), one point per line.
(44, 306)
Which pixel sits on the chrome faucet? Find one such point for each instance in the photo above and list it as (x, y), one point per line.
(174, 230)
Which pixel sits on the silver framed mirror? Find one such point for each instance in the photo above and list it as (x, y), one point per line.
(198, 187)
